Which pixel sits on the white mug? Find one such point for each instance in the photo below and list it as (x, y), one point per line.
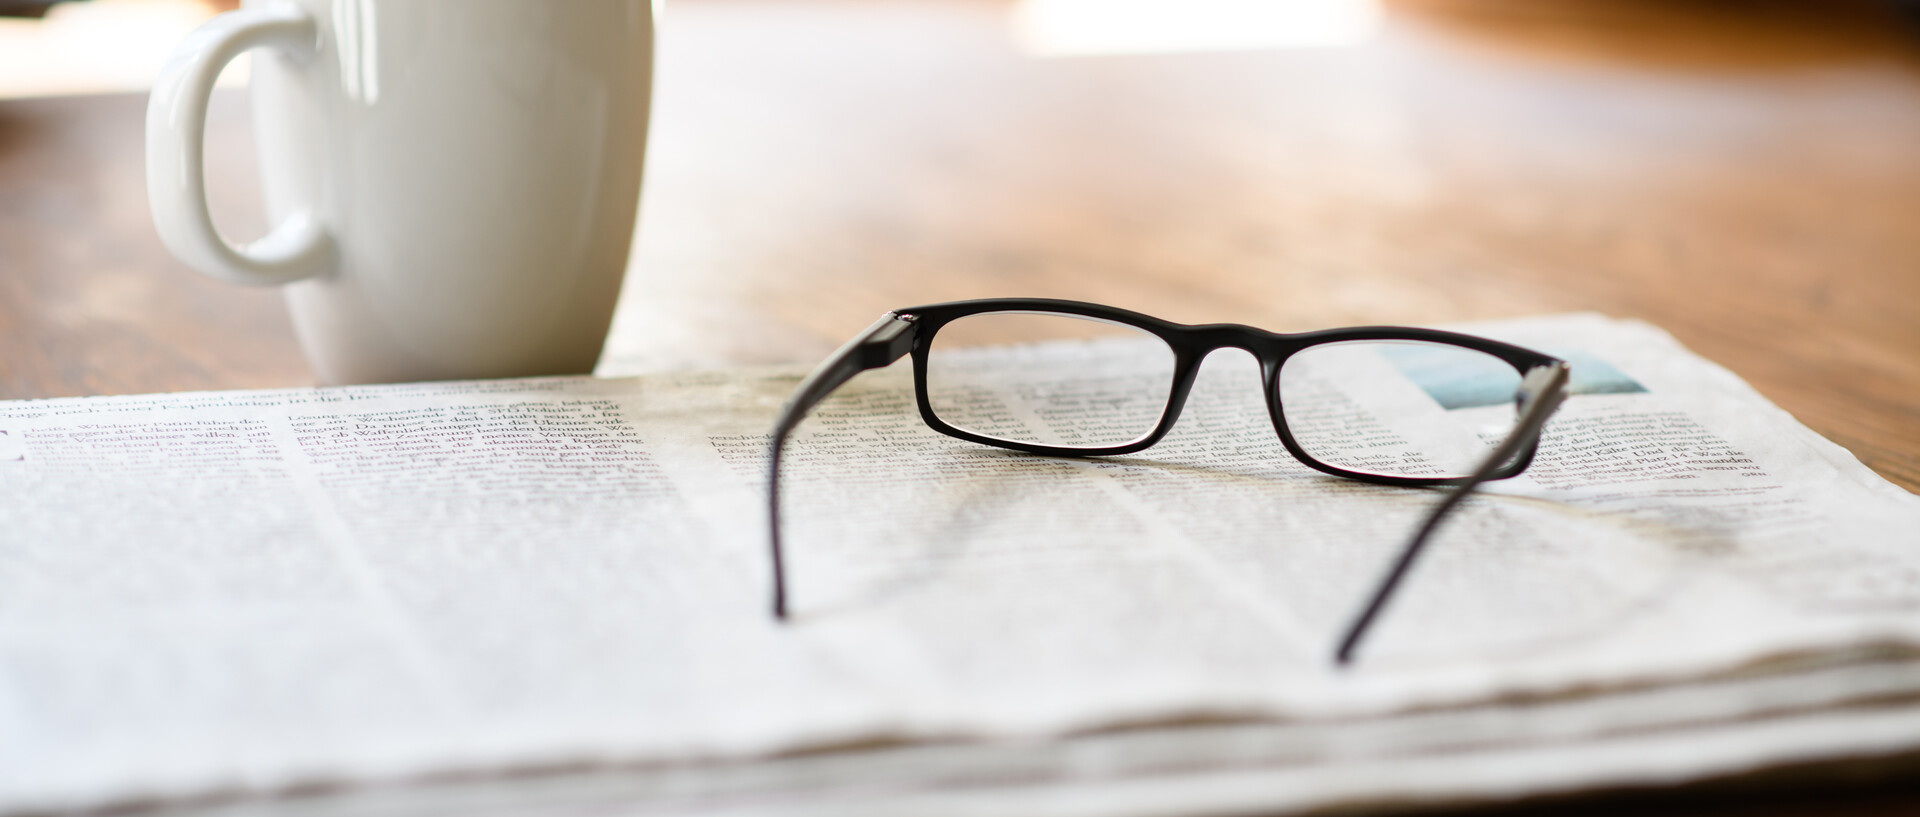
(452, 183)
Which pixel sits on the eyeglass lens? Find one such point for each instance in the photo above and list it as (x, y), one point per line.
(1398, 408)
(1094, 385)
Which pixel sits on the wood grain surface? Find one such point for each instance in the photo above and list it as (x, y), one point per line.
(1743, 174)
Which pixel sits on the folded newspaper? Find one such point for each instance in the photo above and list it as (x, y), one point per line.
(544, 593)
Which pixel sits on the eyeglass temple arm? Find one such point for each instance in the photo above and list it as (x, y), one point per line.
(1540, 393)
(886, 341)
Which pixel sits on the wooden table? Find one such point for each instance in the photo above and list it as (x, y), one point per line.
(1745, 175)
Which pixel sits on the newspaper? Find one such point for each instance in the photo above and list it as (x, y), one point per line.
(239, 594)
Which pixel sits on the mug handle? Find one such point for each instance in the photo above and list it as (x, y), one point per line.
(298, 247)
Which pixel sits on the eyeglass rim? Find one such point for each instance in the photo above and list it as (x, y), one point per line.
(1191, 344)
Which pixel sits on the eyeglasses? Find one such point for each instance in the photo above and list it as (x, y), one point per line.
(1386, 405)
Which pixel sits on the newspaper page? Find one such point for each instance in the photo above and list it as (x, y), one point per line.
(225, 594)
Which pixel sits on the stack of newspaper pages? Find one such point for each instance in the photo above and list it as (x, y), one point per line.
(531, 595)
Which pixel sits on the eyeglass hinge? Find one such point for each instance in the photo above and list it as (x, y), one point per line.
(887, 341)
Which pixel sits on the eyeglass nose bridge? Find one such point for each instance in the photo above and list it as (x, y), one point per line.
(1208, 338)
(1194, 345)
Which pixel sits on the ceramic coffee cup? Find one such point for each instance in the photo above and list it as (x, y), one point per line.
(452, 183)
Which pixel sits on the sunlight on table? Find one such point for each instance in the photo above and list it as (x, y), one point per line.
(1061, 28)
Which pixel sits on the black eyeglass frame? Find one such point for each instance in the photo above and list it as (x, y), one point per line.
(911, 331)
(1191, 345)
